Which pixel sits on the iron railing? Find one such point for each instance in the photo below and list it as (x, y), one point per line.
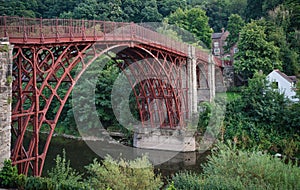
(38, 30)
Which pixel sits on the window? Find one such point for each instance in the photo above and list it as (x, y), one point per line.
(217, 51)
(216, 44)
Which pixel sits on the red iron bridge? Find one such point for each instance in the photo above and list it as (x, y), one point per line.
(46, 52)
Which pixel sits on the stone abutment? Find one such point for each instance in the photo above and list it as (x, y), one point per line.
(5, 98)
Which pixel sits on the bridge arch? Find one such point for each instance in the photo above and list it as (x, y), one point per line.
(39, 73)
(202, 76)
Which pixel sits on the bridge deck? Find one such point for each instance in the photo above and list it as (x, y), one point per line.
(44, 31)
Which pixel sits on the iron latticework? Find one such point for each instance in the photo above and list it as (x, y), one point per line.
(46, 53)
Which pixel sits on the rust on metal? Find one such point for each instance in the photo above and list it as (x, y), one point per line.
(46, 53)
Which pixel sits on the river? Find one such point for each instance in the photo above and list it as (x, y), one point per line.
(80, 155)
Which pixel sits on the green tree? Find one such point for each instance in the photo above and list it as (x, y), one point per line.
(195, 21)
(86, 10)
(114, 12)
(54, 8)
(276, 33)
(261, 103)
(150, 12)
(167, 7)
(260, 8)
(218, 11)
(106, 79)
(102, 80)
(294, 8)
(235, 24)
(269, 5)
(132, 10)
(298, 89)
(217, 14)
(18, 8)
(262, 117)
(237, 7)
(99, 10)
(254, 9)
(255, 52)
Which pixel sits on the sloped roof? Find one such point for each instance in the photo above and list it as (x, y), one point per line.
(291, 79)
(216, 35)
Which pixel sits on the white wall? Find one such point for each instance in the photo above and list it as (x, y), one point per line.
(284, 86)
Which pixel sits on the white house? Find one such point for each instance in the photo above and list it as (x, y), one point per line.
(285, 84)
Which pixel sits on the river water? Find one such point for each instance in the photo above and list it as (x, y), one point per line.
(80, 155)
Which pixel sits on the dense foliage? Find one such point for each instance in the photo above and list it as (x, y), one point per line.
(258, 117)
(9, 176)
(121, 174)
(195, 21)
(235, 24)
(231, 168)
(261, 117)
(108, 174)
(255, 52)
(278, 21)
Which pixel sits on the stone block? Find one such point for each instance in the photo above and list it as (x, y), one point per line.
(164, 139)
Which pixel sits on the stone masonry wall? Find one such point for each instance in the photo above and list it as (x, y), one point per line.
(5, 99)
(228, 75)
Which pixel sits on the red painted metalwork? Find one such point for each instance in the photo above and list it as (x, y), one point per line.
(46, 53)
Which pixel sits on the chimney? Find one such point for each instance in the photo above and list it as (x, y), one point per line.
(223, 30)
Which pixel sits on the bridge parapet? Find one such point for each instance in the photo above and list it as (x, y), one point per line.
(5, 99)
(38, 30)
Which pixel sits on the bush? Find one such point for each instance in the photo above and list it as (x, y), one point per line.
(39, 183)
(119, 175)
(230, 168)
(187, 180)
(8, 175)
(63, 176)
(204, 116)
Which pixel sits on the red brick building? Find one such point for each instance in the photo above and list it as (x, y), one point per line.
(218, 46)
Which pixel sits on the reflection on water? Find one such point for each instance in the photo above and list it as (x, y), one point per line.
(81, 155)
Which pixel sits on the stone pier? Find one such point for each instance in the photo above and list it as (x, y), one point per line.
(192, 80)
(5, 98)
(164, 139)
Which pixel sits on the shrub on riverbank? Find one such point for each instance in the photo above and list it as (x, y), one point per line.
(9, 177)
(121, 174)
(109, 174)
(230, 168)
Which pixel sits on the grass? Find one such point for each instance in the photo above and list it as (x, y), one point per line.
(231, 96)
